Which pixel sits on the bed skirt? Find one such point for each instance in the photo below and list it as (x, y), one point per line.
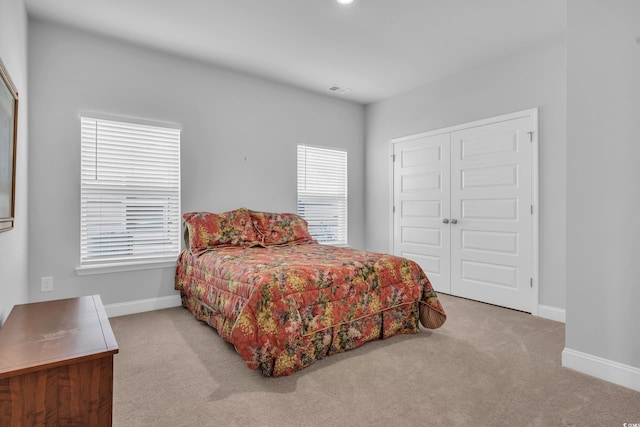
(317, 345)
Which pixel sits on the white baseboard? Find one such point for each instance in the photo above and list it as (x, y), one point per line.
(552, 313)
(608, 370)
(140, 306)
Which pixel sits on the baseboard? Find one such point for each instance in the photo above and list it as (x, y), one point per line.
(140, 306)
(552, 313)
(608, 370)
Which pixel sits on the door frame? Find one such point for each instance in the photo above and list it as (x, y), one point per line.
(535, 207)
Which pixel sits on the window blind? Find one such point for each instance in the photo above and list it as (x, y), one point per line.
(130, 192)
(322, 192)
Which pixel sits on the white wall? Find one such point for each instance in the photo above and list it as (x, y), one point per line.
(13, 243)
(535, 78)
(225, 117)
(603, 186)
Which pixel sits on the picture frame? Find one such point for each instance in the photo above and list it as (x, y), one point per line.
(8, 145)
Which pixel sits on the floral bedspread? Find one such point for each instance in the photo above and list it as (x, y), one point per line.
(283, 307)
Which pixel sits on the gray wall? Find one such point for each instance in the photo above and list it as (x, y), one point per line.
(535, 78)
(225, 117)
(603, 185)
(13, 243)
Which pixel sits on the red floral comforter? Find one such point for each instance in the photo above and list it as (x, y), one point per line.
(283, 307)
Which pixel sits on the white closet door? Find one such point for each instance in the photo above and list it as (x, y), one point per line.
(491, 222)
(421, 203)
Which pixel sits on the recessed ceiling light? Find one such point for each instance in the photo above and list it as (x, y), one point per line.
(345, 1)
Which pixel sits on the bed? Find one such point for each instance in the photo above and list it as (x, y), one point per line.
(284, 301)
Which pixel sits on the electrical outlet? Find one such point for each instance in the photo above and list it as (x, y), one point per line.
(46, 284)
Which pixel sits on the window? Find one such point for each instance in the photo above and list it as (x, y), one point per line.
(130, 192)
(322, 193)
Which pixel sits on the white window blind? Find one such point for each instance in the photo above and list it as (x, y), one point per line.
(130, 192)
(322, 192)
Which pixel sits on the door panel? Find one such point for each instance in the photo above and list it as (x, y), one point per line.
(488, 209)
(490, 177)
(491, 194)
(490, 241)
(421, 202)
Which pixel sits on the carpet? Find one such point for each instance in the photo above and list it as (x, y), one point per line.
(487, 366)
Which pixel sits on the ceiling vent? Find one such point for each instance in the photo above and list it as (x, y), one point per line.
(338, 89)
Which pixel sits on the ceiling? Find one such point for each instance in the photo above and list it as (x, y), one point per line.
(375, 48)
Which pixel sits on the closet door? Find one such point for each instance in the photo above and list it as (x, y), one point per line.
(491, 225)
(421, 204)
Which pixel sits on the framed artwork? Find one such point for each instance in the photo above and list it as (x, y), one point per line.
(8, 138)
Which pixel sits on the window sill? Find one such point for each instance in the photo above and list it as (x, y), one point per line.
(86, 270)
(339, 245)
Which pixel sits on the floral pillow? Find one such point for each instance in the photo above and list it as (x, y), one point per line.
(207, 230)
(281, 228)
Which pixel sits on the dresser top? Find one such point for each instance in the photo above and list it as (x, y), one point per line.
(52, 333)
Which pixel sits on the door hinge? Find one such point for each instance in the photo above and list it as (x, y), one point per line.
(530, 136)
(531, 282)
(394, 209)
(393, 157)
(531, 209)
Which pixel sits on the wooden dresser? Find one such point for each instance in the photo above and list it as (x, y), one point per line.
(56, 364)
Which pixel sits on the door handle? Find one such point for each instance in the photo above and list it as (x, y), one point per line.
(454, 221)
(445, 221)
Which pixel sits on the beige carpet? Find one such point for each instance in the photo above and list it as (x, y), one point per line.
(487, 366)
